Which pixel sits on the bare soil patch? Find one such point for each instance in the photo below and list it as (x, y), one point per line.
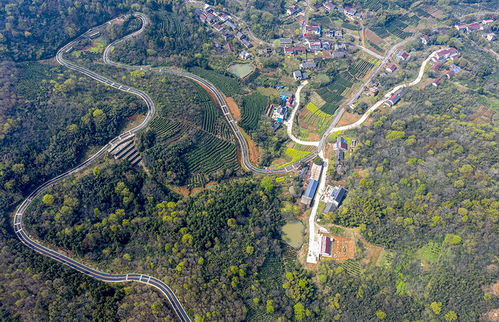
(373, 37)
(493, 315)
(254, 151)
(348, 118)
(482, 115)
(234, 109)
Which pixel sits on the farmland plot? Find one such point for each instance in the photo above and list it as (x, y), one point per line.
(253, 107)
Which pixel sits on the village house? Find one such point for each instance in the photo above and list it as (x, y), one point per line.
(424, 40)
(340, 156)
(393, 99)
(326, 246)
(402, 55)
(314, 45)
(436, 82)
(326, 45)
(223, 17)
(435, 67)
(230, 24)
(487, 21)
(245, 55)
(312, 185)
(218, 27)
(299, 75)
(329, 6)
(341, 143)
(246, 43)
(295, 50)
(312, 30)
(307, 65)
(338, 54)
(391, 68)
(461, 28)
(294, 9)
(335, 199)
(240, 35)
(227, 36)
(286, 41)
(340, 46)
(351, 13)
(210, 18)
(474, 26)
(490, 36)
(444, 54)
(373, 91)
(280, 114)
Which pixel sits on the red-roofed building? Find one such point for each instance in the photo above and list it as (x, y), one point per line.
(435, 67)
(391, 68)
(218, 27)
(444, 54)
(326, 246)
(315, 30)
(474, 26)
(402, 55)
(436, 82)
(393, 99)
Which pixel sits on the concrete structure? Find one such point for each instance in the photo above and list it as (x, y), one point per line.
(299, 75)
(307, 65)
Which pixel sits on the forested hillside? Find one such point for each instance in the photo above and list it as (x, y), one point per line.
(421, 186)
(208, 248)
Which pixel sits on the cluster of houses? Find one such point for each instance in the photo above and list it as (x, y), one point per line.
(446, 54)
(222, 22)
(315, 44)
(312, 185)
(451, 72)
(280, 112)
(401, 56)
(478, 25)
(349, 12)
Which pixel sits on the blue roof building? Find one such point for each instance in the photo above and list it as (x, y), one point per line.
(309, 194)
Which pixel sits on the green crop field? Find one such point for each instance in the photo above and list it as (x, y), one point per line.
(252, 109)
(229, 85)
(430, 252)
(211, 154)
(332, 93)
(295, 155)
(350, 26)
(360, 69)
(204, 142)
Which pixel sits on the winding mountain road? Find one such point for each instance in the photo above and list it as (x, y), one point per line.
(220, 98)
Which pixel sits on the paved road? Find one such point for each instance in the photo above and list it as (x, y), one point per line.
(109, 277)
(313, 241)
(220, 98)
(367, 50)
(291, 119)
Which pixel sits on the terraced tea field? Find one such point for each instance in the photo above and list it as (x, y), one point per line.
(252, 109)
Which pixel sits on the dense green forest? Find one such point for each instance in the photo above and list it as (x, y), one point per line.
(209, 247)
